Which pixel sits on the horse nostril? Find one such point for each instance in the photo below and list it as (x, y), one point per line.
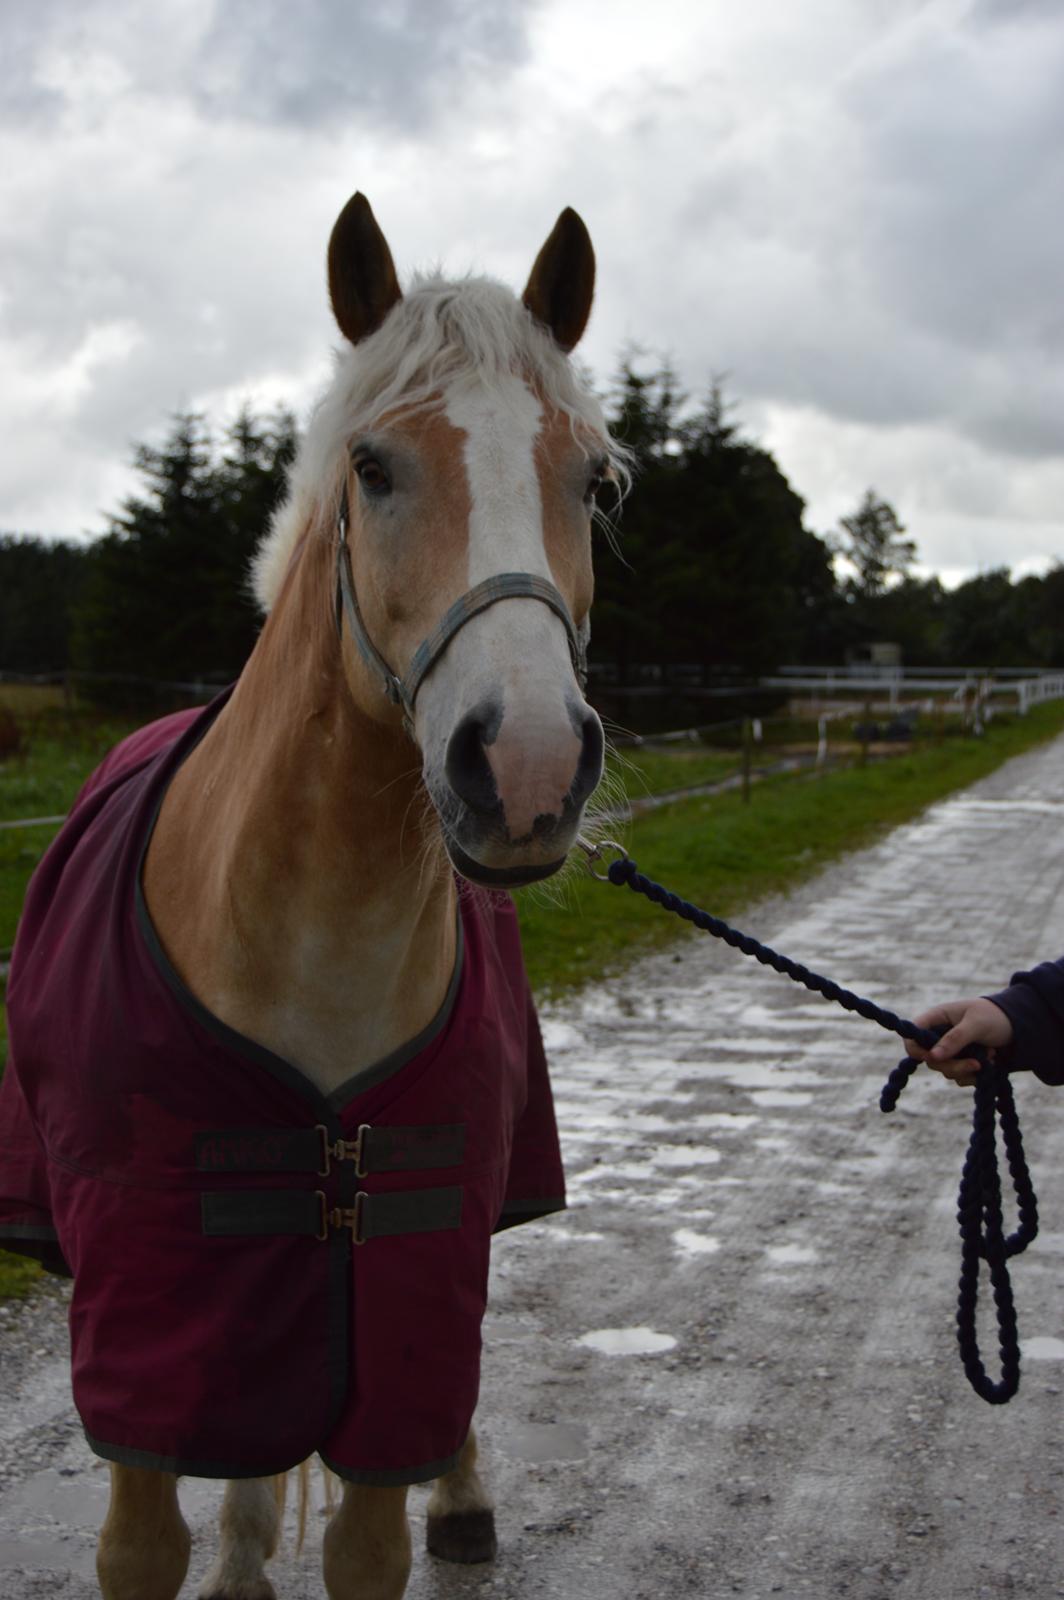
(589, 767)
(466, 765)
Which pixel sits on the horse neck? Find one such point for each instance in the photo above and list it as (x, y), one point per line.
(296, 875)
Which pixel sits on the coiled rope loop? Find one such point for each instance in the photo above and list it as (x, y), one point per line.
(979, 1215)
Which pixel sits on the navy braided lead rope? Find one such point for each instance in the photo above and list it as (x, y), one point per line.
(979, 1198)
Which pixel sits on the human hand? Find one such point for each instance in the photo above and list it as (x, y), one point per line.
(968, 1022)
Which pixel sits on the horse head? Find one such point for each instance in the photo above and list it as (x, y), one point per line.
(463, 455)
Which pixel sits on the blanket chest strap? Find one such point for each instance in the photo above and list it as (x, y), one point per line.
(258, 1212)
(380, 1148)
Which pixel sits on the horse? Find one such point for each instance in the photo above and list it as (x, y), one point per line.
(316, 876)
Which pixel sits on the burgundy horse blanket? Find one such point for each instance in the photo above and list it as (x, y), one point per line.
(260, 1271)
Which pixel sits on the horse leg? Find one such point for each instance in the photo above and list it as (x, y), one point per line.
(461, 1516)
(144, 1543)
(367, 1545)
(249, 1529)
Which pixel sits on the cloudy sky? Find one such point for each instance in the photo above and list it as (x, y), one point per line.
(853, 208)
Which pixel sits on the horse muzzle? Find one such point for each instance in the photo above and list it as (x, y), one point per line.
(515, 791)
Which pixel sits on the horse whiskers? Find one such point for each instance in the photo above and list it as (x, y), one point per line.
(609, 803)
(433, 861)
(431, 857)
(555, 891)
(401, 777)
(612, 727)
(609, 527)
(612, 784)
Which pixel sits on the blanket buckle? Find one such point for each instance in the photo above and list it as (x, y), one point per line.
(342, 1217)
(343, 1150)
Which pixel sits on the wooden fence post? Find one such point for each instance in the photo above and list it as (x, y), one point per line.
(866, 732)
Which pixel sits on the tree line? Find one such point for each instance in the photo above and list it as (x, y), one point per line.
(708, 563)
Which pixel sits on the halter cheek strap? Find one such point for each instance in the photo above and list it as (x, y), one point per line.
(502, 586)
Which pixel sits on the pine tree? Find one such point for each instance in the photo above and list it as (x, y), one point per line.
(40, 582)
(718, 568)
(166, 594)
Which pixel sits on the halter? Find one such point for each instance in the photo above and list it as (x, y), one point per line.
(502, 586)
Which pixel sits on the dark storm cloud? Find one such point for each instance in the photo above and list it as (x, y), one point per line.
(315, 63)
(326, 61)
(23, 29)
(1010, 11)
(852, 210)
(150, 156)
(963, 228)
(890, 252)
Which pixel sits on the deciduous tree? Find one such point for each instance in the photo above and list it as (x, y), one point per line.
(874, 545)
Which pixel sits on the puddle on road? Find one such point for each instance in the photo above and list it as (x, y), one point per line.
(50, 1398)
(1042, 1348)
(759, 1074)
(618, 1126)
(1045, 808)
(46, 1554)
(627, 1341)
(53, 1517)
(756, 1015)
(558, 1235)
(791, 1255)
(684, 1155)
(74, 1499)
(780, 1097)
(545, 1441)
(690, 1243)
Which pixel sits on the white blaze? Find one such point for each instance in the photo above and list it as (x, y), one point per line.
(501, 425)
(514, 654)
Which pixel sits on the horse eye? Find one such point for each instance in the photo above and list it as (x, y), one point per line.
(372, 476)
(598, 478)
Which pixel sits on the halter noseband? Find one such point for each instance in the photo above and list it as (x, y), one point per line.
(502, 586)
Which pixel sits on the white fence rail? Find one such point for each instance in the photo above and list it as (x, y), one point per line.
(899, 683)
(1032, 691)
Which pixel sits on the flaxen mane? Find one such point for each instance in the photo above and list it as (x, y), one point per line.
(442, 331)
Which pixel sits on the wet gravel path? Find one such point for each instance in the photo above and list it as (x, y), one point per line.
(729, 1369)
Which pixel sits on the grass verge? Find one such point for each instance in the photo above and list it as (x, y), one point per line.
(60, 753)
(18, 1275)
(43, 782)
(724, 855)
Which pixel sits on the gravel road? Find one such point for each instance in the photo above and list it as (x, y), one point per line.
(729, 1368)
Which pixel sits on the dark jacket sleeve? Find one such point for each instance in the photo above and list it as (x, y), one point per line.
(1034, 1004)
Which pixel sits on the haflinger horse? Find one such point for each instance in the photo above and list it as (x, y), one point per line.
(304, 1084)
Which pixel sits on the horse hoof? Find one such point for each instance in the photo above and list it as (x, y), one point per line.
(465, 1536)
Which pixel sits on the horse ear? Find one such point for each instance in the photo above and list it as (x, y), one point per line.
(363, 286)
(562, 284)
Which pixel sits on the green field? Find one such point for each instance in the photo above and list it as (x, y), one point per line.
(661, 769)
(723, 854)
(27, 699)
(59, 753)
(711, 848)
